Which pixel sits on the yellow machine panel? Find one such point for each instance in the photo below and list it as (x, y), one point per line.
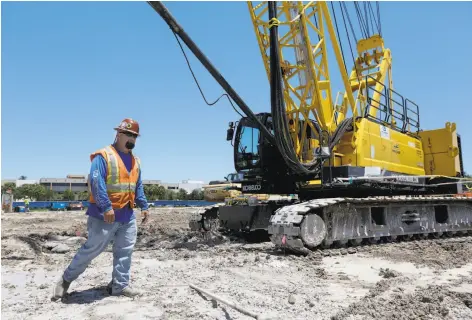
(376, 145)
(441, 151)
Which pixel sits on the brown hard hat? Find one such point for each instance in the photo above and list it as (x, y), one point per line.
(128, 125)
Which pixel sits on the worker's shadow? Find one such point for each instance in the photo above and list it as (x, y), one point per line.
(86, 296)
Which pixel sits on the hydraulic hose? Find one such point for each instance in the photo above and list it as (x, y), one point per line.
(281, 129)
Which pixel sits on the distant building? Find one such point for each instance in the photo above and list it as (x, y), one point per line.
(190, 185)
(151, 182)
(78, 184)
(168, 186)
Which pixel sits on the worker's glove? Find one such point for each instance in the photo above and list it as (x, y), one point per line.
(109, 216)
(144, 216)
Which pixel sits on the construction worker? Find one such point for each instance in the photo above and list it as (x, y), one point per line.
(27, 202)
(114, 186)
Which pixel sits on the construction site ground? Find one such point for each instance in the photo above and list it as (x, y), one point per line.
(429, 279)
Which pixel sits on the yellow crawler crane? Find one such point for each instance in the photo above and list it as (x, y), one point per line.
(360, 165)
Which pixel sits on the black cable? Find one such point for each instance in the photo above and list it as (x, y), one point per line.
(349, 20)
(279, 116)
(361, 20)
(370, 18)
(373, 18)
(198, 85)
(339, 37)
(378, 16)
(316, 24)
(349, 39)
(339, 132)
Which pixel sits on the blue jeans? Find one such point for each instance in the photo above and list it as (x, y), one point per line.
(100, 234)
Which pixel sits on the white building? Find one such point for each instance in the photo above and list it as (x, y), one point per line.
(190, 185)
(19, 183)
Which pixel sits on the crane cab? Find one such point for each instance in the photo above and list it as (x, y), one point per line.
(257, 160)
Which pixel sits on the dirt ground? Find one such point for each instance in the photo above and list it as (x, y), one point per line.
(414, 280)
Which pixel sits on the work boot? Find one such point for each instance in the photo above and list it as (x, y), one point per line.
(127, 292)
(60, 289)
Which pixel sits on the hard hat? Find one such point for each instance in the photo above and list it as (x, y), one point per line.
(128, 125)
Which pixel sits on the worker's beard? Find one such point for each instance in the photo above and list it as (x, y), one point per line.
(129, 145)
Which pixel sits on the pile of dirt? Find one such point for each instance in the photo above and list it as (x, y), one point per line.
(439, 254)
(17, 248)
(433, 302)
(156, 236)
(35, 247)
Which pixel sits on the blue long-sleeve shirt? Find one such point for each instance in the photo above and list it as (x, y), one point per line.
(98, 174)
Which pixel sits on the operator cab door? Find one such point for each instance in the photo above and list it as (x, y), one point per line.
(252, 153)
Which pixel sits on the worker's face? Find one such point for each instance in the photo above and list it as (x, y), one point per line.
(126, 140)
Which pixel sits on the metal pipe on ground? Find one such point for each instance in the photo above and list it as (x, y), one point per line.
(231, 304)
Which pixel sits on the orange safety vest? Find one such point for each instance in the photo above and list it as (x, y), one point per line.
(121, 185)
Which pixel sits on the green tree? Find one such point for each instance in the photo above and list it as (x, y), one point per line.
(196, 194)
(182, 194)
(155, 192)
(147, 191)
(68, 195)
(22, 178)
(38, 192)
(170, 195)
(83, 195)
(57, 196)
(9, 185)
(50, 195)
(33, 191)
(161, 192)
(25, 190)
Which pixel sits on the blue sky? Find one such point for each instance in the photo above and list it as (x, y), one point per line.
(71, 71)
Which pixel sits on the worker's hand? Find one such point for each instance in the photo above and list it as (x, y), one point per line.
(109, 216)
(144, 216)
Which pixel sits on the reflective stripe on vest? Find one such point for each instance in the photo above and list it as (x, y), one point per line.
(113, 175)
(123, 187)
(113, 178)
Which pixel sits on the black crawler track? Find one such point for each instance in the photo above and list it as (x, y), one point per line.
(340, 223)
